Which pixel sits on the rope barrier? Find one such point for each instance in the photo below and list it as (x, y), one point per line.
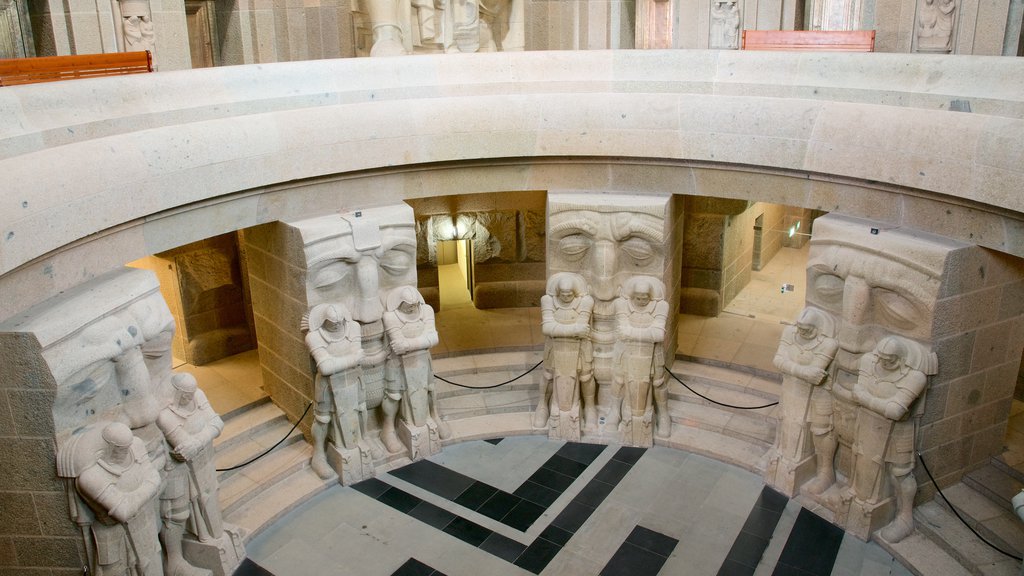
(493, 385)
(715, 401)
(269, 450)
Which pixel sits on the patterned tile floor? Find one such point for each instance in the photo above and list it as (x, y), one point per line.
(528, 505)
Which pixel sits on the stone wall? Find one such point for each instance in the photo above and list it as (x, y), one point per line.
(277, 277)
(979, 336)
(206, 290)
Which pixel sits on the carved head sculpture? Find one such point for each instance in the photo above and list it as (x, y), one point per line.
(119, 441)
(356, 258)
(566, 290)
(185, 386)
(565, 287)
(899, 354)
(813, 322)
(641, 290)
(330, 317)
(405, 299)
(606, 238)
(875, 284)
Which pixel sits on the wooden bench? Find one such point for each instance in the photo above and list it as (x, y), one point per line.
(52, 68)
(830, 41)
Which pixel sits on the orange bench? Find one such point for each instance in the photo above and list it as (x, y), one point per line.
(52, 68)
(831, 40)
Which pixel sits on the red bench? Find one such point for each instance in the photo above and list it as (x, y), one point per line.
(821, 40)
(52, 68)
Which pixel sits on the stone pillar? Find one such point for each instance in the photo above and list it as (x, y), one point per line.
(954, 300)
(96, 354)
(351, 260)
(609, 239)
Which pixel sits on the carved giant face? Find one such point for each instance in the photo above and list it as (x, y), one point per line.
(356, 260)
(874, 284)
(606, 239)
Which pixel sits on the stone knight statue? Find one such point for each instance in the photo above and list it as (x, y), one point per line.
(639, 391)
(409, 375)
(892, 379)
(566, 308)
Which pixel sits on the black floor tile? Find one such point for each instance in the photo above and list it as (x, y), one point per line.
(505, 548)
(812, 545)
(565, 466)
(782, 570)
(372, 487)
(523, 515)
(498, 505)
(572, 516)
(613, 472)
(761, 522)
(771, 499)
(630, 560)
(593, 494)
(629, 454)
(475, 495)
(250, 568)
(413, 567)
(467, 531)
(734, 568)
(747, 549)
(399, 500)
(537, 555)
(582, 453)
(435, 478)
(537, 494)
(556, 535)
(656, 542)
(432, 515)
(494, 441)
(552, 480)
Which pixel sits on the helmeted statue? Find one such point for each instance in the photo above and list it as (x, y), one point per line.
(566, 308)
(639, 376)
(189, 425)
(892, 378)
(121, 489)
(408, 373)
(334, 341)
(805, 354)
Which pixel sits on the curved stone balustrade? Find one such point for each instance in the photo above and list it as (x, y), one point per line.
(99, 172)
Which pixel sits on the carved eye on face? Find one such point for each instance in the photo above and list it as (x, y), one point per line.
(398, 260)
(638, 249)
(895, 310)
(331, 273)
(574, 247)
(829, 288)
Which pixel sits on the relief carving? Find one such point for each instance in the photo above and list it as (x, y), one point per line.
(725, 25)
(935, 20)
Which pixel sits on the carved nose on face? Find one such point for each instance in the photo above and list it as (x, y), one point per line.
(368, 307)
(604, 264)
(856, 301)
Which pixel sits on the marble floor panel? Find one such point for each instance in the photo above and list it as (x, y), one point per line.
(529, 505)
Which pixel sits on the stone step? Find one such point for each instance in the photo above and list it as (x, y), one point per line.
(252, 443)
(994, 484)
(1007, 468)
(994, 523)
(923, 556)
(276, 500)
(732, 450)
(256, 478)
(240, 427)
(747, 426)
(939, 524)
